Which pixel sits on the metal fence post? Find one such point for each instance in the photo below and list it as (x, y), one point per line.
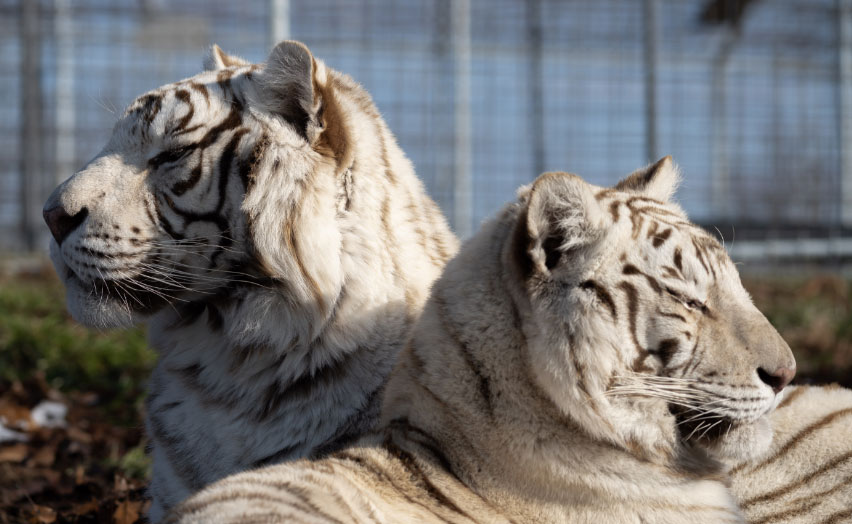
(845, 113)
(463, 176)
(536, 90)
(30, 124)
(279, 21)
(721, 177)
(650, 56)
(65, 115)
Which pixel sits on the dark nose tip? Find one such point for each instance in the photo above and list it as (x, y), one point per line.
(61, 223)
(778, 379)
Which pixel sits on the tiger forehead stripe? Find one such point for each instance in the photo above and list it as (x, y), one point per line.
(671, 272)
(652, 230)
(678, 258)
(699, 254)
(233, 120)
(201, 88)
(600, 195)
(183, 96)
(613, 209)
(149, 106)
(602, 294)
(638, 221)
(630, 269)
(662, 237)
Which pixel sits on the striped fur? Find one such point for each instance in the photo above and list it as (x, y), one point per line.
(589, 356)
(264, 222)
(806, 476)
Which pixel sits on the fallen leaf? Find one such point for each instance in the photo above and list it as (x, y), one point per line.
(43, 514)
(79, 474)
(120, 484)
(14, 414)
(52, 476)
(78, 510)
(79, 435)
(25, 489)
(127, 511)
(13, 453)
(45, 456)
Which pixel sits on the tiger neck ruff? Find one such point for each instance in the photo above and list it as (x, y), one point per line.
(264, 222)
(589, 356)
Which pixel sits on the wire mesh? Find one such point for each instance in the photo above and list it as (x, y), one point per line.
(747, 93)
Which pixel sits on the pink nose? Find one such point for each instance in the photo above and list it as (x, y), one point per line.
(61, 223)
(778, 379)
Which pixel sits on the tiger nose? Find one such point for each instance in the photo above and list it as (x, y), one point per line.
(778, 379)
(60, 223)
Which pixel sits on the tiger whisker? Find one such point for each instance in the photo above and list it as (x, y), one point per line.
(697, 428)
(211, 270)
(704, 415)
(674, 401)
(711, 426)
(219, 282)
(199, 241)
(683, 395)
(688, 402)
(124, 295)
(141, 286)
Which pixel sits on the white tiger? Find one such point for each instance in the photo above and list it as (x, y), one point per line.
(590, 356)
(806, 476)
(264, 222)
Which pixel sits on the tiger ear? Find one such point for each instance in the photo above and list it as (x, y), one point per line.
(287, 85)
(658, 180)
(563, 218)
(217, 59)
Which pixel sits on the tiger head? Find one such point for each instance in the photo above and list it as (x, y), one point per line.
(199, 182)
(644, 331)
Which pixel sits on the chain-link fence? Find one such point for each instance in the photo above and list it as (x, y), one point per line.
(753, 98)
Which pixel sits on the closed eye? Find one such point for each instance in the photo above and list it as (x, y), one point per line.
(688, 302)
(169, 156)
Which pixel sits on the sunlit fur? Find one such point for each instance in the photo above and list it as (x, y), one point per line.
(264, 222)
(589, 356)
(806, 476)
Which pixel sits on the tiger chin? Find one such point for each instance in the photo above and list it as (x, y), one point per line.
(589, 356)
(264, 223)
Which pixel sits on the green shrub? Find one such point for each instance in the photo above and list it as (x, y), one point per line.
(37, 335)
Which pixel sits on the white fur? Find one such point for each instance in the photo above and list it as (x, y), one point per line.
(543, 380)
(806, 475)
(278, 313)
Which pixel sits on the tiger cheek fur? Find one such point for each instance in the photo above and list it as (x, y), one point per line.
(159, 207)
(278, 261)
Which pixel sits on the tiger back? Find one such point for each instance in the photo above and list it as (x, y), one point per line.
(589, 356)
(264, 223)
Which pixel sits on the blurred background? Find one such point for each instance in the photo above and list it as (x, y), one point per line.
(753, 98)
